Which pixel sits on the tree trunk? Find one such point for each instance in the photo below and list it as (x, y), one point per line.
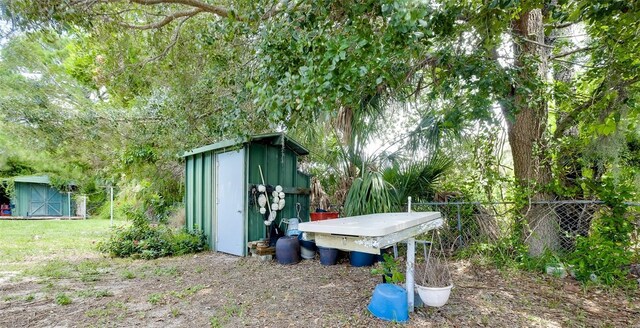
(526, 124)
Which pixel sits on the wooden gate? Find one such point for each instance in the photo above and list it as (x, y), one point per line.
(45, 201)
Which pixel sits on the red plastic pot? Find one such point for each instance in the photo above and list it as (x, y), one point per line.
(319, 216)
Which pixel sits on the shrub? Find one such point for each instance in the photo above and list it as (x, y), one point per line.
(505, 252)
(601, 260)
(604, 256)
(143, 240)
(185, 242)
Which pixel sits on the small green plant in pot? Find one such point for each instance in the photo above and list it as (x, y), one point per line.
(389, 269)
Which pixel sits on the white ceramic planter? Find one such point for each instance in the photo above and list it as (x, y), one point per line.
(434, 296)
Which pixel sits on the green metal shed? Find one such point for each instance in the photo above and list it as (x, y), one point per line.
(33, 196)
(221, 184)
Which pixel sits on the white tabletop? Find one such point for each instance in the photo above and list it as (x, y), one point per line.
(372, 225)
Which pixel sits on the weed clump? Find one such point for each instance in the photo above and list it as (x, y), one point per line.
(147, 241)
(63, 299)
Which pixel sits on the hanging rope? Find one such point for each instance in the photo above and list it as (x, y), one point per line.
(428, 259)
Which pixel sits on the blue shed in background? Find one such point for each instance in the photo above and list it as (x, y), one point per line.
(33, 197)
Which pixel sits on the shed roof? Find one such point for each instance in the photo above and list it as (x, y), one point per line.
(40, 179)
(270, 138)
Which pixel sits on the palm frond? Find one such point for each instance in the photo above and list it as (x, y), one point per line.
(417, 179)
(368, 194)
(430, 133)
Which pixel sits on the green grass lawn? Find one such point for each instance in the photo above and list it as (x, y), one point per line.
(25, 244)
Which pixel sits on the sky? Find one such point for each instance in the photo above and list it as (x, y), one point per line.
(5, 28)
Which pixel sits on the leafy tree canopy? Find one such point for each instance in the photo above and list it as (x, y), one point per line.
(562, 76)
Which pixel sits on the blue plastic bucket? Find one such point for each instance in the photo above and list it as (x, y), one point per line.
(360, 259)
(389, 302)
(328, 256)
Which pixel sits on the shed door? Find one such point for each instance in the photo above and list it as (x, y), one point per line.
(230, 202)
(45, 201)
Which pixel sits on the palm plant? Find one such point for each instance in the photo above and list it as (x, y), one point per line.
(372, 190)
(369, 194)
(416, 178)
(379, 181)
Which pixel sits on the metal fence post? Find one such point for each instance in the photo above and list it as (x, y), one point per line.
(111, 207)
(459, 225)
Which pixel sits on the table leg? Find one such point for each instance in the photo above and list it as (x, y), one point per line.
(411, 259)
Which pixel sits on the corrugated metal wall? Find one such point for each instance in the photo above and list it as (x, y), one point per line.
(22, 200)
(279, 166)
(200, 194)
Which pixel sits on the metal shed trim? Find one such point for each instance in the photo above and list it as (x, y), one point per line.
(39, 179)
(275, 139)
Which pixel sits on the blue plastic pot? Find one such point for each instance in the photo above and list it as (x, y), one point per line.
(328, 256)
(360, 259)
(309, 244)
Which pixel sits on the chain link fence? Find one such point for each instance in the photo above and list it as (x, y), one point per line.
(554, 224)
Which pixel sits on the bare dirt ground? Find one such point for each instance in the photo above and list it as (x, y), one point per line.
(217, 290)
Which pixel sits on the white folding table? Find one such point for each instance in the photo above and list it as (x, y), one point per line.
(370, 233)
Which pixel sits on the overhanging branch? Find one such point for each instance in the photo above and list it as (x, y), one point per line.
(172, 43)
(574, 63)
(537, 43)
(567, 120)
(560, 25)
(168, 19)
(571, 52)
(216, 10)
(598, 95)
(203, 6)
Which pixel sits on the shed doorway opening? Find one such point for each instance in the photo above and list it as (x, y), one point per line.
(5, 202)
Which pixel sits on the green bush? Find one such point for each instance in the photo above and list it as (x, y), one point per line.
(185, 242)
(601, 260)
(143, 240)
(605, 255)
(369, 194)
